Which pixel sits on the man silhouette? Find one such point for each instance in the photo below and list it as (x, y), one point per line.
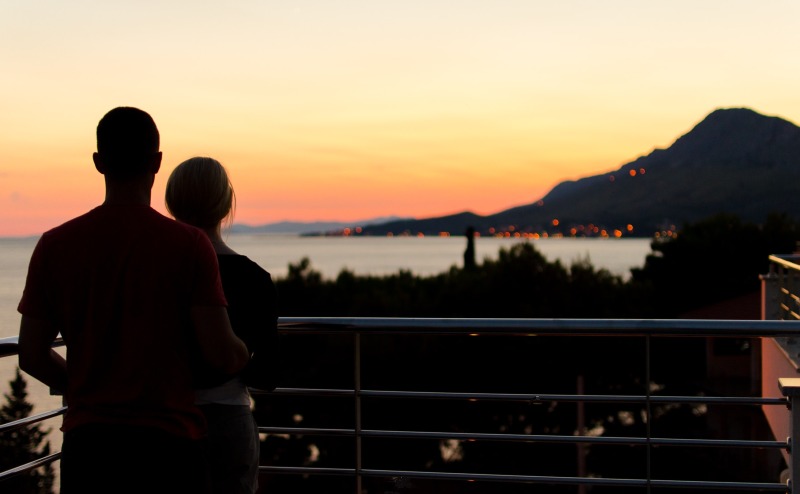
(138, 301)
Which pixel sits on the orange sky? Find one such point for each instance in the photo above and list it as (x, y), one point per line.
(353, 109)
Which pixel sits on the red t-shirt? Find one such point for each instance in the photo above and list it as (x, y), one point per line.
(118, 283)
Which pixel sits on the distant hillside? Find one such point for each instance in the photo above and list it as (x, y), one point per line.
(312, 227)
(735, 161)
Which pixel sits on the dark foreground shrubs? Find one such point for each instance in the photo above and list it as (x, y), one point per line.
(706, 262)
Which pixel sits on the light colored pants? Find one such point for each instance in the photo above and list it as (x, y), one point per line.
(232, 448)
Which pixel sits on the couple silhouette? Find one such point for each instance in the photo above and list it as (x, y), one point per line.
(165, 327)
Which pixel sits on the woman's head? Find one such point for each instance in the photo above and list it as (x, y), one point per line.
(199, 193)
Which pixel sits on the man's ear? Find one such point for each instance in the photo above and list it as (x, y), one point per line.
(98, 163)
(156, 164)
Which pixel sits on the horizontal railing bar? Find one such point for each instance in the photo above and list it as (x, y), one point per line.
(537, 479)
(10, 426)
(485, 326)
(307, 470)
(10, 344)
(626, 441)
(786, 261)
(321, 392)
(738, 443)
(533, 398)
(531, 438)
(311, 431)
(533, 479)
(29, 466)
(541, 398)
(584, 327)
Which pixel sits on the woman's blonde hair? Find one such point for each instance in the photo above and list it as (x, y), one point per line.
(199, 193)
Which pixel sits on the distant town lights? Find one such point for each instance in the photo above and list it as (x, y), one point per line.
(559, 230)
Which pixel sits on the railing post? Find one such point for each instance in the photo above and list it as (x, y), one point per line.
(771, 295)
(649, 409)
(357, 397)
(790, 388)
(581, 447)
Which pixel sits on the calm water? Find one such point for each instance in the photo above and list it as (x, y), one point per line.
(363, 255)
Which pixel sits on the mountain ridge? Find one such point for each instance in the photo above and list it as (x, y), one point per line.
(308, 227)
(735, 160)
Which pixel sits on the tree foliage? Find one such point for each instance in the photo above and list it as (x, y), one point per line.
(520, 283)
(713, 259)
(23, 445)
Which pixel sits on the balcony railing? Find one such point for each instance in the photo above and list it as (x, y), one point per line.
(785, 271)
(362, 471)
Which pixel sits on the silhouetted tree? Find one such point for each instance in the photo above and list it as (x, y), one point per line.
(712, 260)
(23, 445)
(721, 254)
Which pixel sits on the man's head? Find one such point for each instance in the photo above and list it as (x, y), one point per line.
(127, 144)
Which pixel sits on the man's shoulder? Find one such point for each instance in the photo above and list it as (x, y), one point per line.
(124, 222)
(71, 227)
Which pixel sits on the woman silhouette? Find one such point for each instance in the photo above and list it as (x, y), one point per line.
(199, 193)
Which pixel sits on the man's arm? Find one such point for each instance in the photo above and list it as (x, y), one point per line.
(36, 354)
(219, 346)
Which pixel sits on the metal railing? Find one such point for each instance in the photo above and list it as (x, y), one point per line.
(786, 271)
(647, 330)
(8, 348)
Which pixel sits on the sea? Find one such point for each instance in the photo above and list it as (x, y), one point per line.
(424, 256)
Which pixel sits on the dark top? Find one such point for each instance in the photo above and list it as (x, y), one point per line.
(253, 311)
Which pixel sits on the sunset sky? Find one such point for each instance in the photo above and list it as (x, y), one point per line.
(351, 109)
